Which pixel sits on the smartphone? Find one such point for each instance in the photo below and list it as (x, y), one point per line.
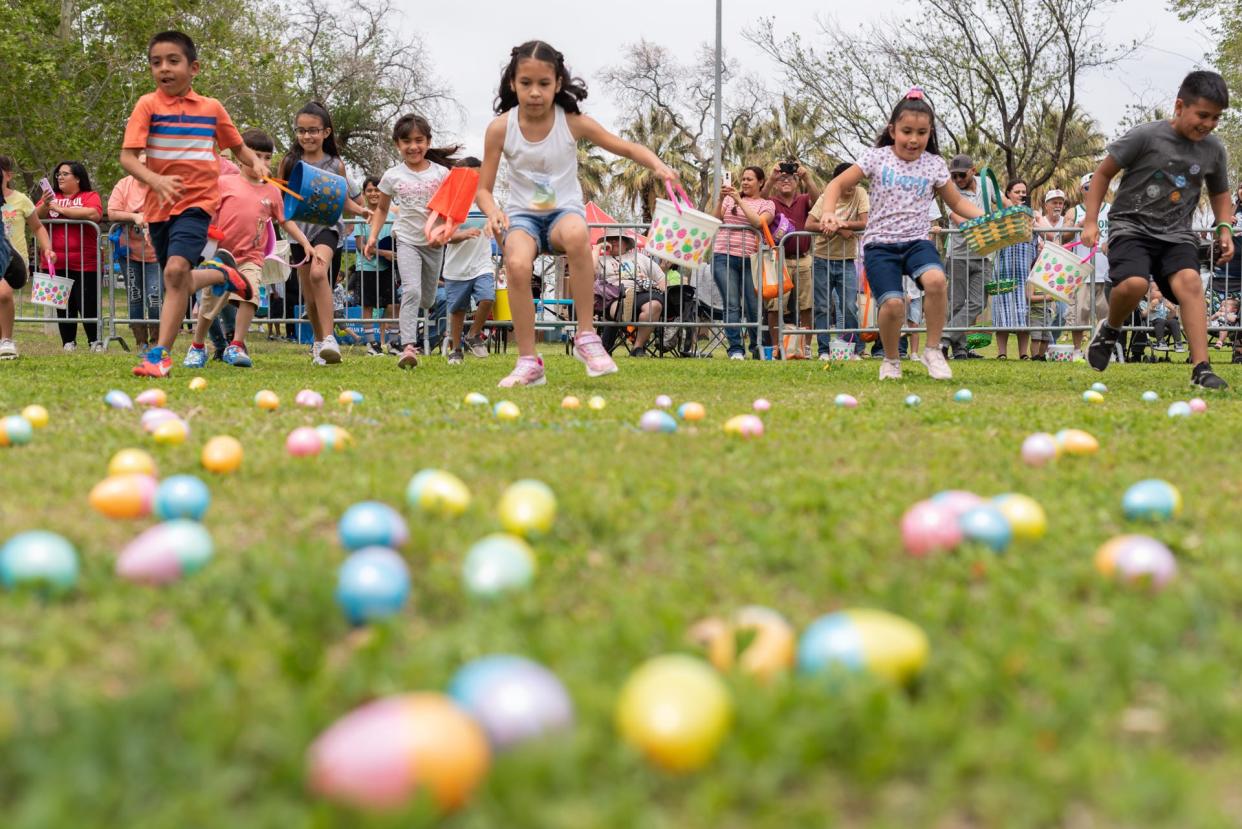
(726, 177)
(46, 187)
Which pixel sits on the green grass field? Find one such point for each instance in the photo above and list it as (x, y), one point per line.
(1053, 698)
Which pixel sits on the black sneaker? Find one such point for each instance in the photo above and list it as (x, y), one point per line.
(1237, 357)
(1100, 352)
(1203, 377)
(374, 350)
(638, 352)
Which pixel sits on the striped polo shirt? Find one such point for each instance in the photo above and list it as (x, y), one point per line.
(180, 134)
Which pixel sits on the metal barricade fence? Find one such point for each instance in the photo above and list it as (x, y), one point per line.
(78, 250)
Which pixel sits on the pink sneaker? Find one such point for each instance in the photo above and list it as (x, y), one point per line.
(590, 352)
(527, 372)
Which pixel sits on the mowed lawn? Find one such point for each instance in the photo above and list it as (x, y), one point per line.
(1053, 698)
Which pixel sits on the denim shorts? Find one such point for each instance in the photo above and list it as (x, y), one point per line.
(887, 263)
(183, 235)
(538, 226)
(459, 292)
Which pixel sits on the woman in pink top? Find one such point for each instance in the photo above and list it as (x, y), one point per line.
(77, 247)
(732, 265)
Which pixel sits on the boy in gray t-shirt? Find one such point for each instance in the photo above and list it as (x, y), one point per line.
(1166, 164)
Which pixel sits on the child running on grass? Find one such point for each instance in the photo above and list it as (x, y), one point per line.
(247, 205)
(537, 129)
(410, 185)
(180, 129)
(1166, 164)
(469, 274)
(906, 172)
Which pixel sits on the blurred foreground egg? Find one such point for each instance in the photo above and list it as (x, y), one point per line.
(476, 399)
(15, 430)
(304, 442)
(198, 384)
(171, 432)
(744, 426)
(1039, 448)
(527, 508)
(165, 553)
(1152, 500)
(181, 496)
(1025, 515)
(372, 524)
(928, 527)
(1076, 442)
(37, 415)
(124, 496)
(372, 583)
(1137, 559)
(152, 397)
(222, 455)
(864, 640)
(676, 711)
(267, 400)
(570, 402)
(437, 492)
(506, 410)
(596, 403)
(349, 397)
(40, 559)
(691, 412)
(309, 399)
(657, 420)
(131, 461)
(769, 651)
(498, 564)
(513, 698)
(118, 400)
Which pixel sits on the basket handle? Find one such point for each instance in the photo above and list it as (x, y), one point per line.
(986, 175)
(1090, 253)
(767, 234)
(677, 197)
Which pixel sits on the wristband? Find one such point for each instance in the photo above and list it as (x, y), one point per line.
(1226, 226)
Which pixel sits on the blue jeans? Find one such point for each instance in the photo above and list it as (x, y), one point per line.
(144, 287)
(836, 281)
(734, 280)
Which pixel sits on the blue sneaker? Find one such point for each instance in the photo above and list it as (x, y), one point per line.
(195, 358)
(237, 356)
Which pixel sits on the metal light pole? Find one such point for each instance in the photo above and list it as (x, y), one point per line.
(719, 71)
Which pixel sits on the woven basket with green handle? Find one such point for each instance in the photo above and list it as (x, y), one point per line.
(996, 229)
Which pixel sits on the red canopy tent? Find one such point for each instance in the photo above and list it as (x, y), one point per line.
(596, 216)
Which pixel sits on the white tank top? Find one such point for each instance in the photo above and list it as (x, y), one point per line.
(543, 175)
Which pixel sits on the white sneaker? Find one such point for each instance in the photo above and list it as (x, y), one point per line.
(890, 369)
(824, 356)
(329, 351)
(935, 363)
(315, 358)
(70, 346)
(98, 347)
(8, 350)
(737, 355)
(1078, 357)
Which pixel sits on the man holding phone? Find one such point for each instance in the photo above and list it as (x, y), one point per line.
(793, 191)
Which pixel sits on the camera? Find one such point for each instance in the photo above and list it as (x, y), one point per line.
(789, 167)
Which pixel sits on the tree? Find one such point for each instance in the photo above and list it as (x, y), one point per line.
(1225, 26)
(652, 80)
(638, 185)
(593, 170)
(1003, 76)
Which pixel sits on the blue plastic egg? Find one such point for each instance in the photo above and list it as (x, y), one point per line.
(1180, 408)
(181, 496)
(963, 395)
(118, 400)
(1152, 500)
(16, 430)
(513, 698)
(372, 524)
(913, 400)
(1100, 387)
(987, 525)
(39, 558)
(657, 420)
(371, 584)
(1150, 397)
(863, 640)
(496, 564)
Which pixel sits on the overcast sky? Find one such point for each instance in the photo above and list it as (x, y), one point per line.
(470, 44)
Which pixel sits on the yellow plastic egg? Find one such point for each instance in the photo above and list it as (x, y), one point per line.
(676, 711)
(437, 492)
(171, 432)
(267, 400)
(597, 403)
(1026, 517)
(36, 414)
(507, 410)
(527, 508)
(132, 461)
(198, 384)
(222, 454)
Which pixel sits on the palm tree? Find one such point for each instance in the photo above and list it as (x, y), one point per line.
(636, 183)
(593, 170)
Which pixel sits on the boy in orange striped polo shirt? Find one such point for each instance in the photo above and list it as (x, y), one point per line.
(180, 131)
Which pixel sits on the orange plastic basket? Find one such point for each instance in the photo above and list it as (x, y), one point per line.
(451, 203)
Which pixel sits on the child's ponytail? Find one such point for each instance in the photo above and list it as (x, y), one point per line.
(408, 125)
(916, 102)
(572, 92)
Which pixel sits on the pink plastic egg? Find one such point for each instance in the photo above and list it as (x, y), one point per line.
(152, 418)
(929, 527)
(957, 501)
(1038, 449)
(303, 442)
(1198, 405)
(762, 404)
(308, 398)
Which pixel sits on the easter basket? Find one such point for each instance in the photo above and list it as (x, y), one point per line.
(679, 233)
(50, 289)
(996, 229)
(1059, 272)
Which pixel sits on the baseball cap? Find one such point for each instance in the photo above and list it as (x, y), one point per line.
(1054, 194)
(961, 163)
(1085, 180)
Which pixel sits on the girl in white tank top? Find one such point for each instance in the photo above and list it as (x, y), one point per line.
(537, 128)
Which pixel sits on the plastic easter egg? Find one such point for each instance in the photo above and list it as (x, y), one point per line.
(437, 492)
(152, 418)
(171, 432)
(309, 399)
(304, 442)
(657, 420)
(506, 410)
(929, 527)
(676, 711)
(570, 402)
(691, 412)
(1025, 515)
(1197, 405)
(165, 553)
(1039, 448)
(987, 525)
(133, 461)
(864, 640)
(596, 403)
(963, 396)
(845, 401)
(37, 415)
(379, 756)
(181, 496)
(156, 398)
(476, 399)
(769, 651)
(514, 699)
(1076, 442)
(15, 430)
(1137, 559)
(267, 400)
(1100, 387)
(38, 558)
(198, 384)
(349, 397)
(124, 496)
(663, 401)
(744, 426)
(1150, 397)
(913, 400)
(371, 584)
(1180, 409)
(497, 564)
(761, 405)
(334, 437)
(372, 524)
(222, 455)
(1092, 397)
(527, 508)
(957, 501)
(1152, 500)
(118, 400)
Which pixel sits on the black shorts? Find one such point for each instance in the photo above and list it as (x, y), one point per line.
(183, 235)
(1152, 259)
(375, 288)
(326, 236)
(15, 273)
